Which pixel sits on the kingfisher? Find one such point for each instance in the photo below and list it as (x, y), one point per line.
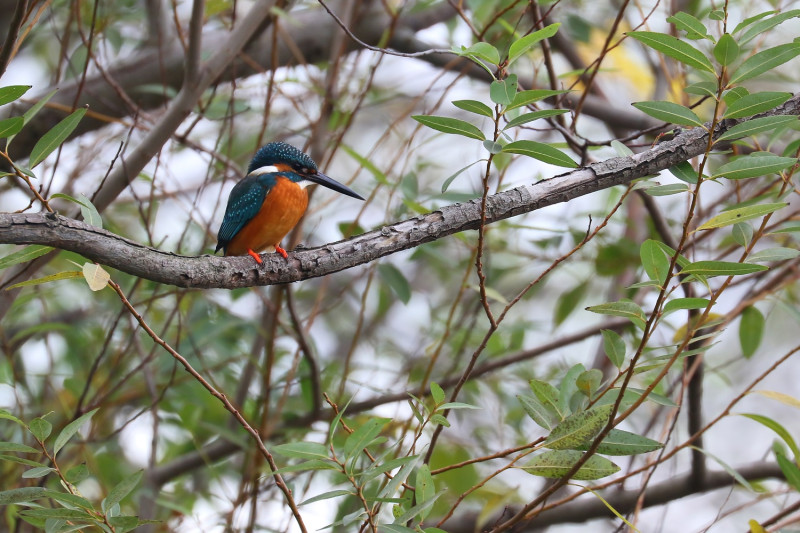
(270, 200)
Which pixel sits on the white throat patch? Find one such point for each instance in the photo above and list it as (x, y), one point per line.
(263, 170)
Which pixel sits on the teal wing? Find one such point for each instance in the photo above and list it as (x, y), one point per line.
(244, 203)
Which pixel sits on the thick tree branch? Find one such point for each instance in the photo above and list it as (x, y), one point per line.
(207, 272)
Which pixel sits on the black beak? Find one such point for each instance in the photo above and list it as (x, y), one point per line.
(332, 184)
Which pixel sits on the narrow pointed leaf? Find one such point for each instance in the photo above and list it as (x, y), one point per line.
(679, 304)
(70, 430)
(485, 51)
(302, 450)
(537, 411)
(754, 165)
(684, 172)
(122, 489)
(778, 429)
(450, 125)
(37, 472)
(556, 463)
(474, 106)
(363, 436)
(424, 488)
(12, 92)
(542, 152)
(757, 125)
(626, 309)
(25, 494)
(762, 26)
(16, 447)
(669, 112)
(741, 214)
(692, 26)
(535, 115)
(578, 428)
(524, 98)
(721, 268)
(790, 471)
(619, 442)
(524, 44)
(29, 253)
(674, 48)
(328, 495)
(779, 253)
(394, 278)
(764, 61)
(53, 138)
(654, 261)
(549, 397)
(755, 103)
(72, 274)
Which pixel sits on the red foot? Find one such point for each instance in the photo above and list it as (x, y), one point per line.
(254, 255)
(281, 251)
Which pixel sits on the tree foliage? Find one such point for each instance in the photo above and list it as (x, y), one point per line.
(462, 358)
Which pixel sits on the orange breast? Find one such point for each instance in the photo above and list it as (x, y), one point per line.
(282, 209)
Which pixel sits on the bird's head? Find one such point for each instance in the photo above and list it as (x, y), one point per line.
(298, 166)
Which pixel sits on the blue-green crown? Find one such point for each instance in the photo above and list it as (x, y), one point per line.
(280, 152)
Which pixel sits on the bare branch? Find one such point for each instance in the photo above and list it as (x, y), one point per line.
(217, 272)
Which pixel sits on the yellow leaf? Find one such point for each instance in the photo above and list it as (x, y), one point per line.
(755, 527)
(95, 276)
(791, 401)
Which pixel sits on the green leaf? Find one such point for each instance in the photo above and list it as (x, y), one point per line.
(395, 279)
(66, 514)
(758, 125)
(88, 210)
(302, 450)
(762, 26)
(729, 469)
(568, 301)
(588, 382)
(53, 138)
(122, 489)
(769, 255)
(778, 429)
(68, 498)
(535, 115)
(549, 396)
(363, 436)
(15, 447)
(754, 165)
(542, 152)
(679, 304)
(684, 172)
(692, 26)
(619, 442)
(524, 44)
(30, 113)
(721, 268)
(395, 528)
(674, 48)
(702, 88)
(524, 98)
(726, 50)
(449, 180)
(440, 420)
(755, 103)
(623, 308)
(424, 488)
(669, 112)
(437, 393)
(10, 126)
(537, 411)
(667, 190)
(790, 471)
(763, 61)
(37, 472)
(556, 464)
(450, 125)
(417, 510)
(474, 106)
(12, 92)
(457, 405)
(614, 346)
(29, 253)
(76, 474)
(367, 164)
(25, 494)
(40, 428)
(751, 330)
(742, 234)
(578, 428)
(492, 147)
(485, 51)
(503, 91)
(328, 495)
(654, 261)
(741, 214)
(746, 22)
(621, 149)
(72, 274)
(567, 390)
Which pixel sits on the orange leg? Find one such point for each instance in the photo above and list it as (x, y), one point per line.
(281, 251)
(254, 255)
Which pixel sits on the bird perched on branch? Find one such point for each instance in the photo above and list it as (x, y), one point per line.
(270, 200)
